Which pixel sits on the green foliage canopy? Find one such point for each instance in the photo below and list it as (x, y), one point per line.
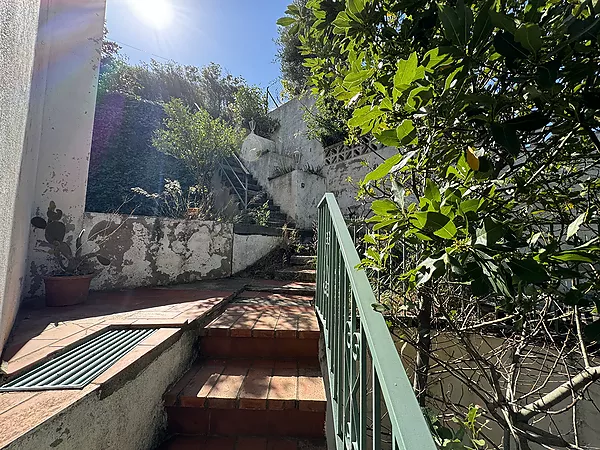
(196, 138)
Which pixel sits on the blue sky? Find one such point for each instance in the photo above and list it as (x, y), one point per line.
(237, 34)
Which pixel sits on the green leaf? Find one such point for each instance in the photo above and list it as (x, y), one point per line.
(383, 169)
(384, 207)
(575, 225)
(506, 136)
(440, 224)
(465, 21)
(388, 137)
(483, 26)
(468, 206)
(55, 231)
(436, 57)
(450, 24)
(285, 21)
(431, 268)
(529, 36)
(431, 191)
(407, 135)
(405, 72)
(490, 233)
(528, 122)
(529, 270)
(103, 260)
(38, 222)
(505, 44)
(502, 21)
(356, 6)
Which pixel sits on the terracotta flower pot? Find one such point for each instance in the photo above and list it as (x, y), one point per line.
(67, 290)
(193, 213)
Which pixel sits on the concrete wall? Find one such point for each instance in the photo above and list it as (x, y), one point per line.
(248, 249)
(150, 251)
(298, 194)
(131, 418)
(49, 55)
(292, 136)
(18, 33)
(71, 36)
(154, 251)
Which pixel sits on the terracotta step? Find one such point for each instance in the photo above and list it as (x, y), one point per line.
(263, 325)
(242, 443)
(249, 397)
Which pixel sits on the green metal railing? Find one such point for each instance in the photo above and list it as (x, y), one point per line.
(367, 381)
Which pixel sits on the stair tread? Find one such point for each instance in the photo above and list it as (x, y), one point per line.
(267, 316)
(242, 443)
(255, 384)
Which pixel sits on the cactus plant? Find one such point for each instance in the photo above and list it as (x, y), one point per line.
(71, 263)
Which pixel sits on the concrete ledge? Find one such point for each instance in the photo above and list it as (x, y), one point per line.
(247, 228)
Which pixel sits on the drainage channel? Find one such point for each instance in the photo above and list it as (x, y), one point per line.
(77, 367)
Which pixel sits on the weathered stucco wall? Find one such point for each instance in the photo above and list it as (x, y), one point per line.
(150, 251)
(70, 38)
(248, 249)
(291, 136)
(298, 193)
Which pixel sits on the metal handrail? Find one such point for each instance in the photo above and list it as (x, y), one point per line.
(243, 184)
(351, 326)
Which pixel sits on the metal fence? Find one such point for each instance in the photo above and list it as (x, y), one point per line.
(366, 375)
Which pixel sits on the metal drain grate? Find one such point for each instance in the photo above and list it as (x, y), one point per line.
(75, 368)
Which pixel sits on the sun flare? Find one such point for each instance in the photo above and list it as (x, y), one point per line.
(155, 13)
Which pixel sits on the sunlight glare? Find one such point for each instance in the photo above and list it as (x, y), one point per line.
(156, 13)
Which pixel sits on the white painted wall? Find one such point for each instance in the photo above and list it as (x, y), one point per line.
(154, 251)
(151, 251)
(71, 34)
(248, 249)
(49, 56)
(292, 136)
(298, 194)
(18, 34)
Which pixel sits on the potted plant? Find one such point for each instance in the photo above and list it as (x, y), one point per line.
(71, 284)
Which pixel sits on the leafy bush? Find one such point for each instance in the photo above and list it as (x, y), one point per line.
(197, 139)
(195, 202)
(487, 218)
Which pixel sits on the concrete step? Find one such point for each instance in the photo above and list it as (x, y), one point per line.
(245, 443)
(298, 273)
(303, 260)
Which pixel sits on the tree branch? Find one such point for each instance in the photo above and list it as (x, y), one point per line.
(578, 382)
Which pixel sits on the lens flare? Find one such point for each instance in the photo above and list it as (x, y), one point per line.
(157, 14)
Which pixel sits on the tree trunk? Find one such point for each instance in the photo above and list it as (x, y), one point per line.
(423, 347)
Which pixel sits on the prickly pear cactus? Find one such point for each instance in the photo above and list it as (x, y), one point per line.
(71, 263)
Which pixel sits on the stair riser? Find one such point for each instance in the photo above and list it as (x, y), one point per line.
(240, 422)
(232, 347)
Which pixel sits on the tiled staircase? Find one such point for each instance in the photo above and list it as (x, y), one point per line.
(258, 383)
(234, 176)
